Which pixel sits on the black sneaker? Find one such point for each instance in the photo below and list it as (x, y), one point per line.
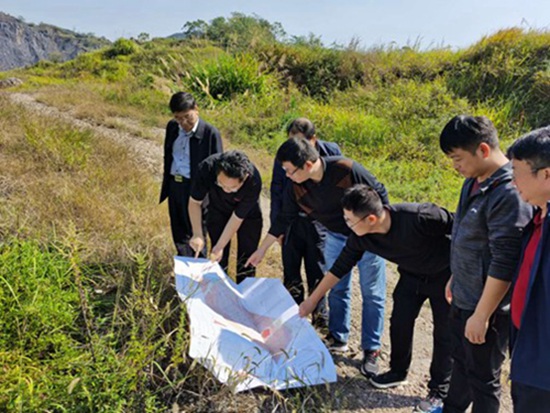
(369, 366)
(335, 346)
(388, 379)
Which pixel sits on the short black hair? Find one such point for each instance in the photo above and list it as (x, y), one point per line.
(467, 133)
(234, 164)
(297, 151)
(303, 126)
(362, 200)
(533, 148)
(182, 102)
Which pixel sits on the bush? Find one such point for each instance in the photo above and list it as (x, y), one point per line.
(227, 76)
(316, 71)
(512, 66)
(122, 47)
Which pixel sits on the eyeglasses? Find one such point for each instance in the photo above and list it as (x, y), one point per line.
(350, 225)
(289, 174)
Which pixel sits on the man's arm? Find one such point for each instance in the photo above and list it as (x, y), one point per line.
(197, 241)
(348, 258)
(217, 146)
(506, 217)
(259, 254)
(230, 229)
(360, 175)
(276, 190)
(493, 293)
(435, 221)
(310, 303)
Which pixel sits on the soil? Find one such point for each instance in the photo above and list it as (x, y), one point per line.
(351, 393)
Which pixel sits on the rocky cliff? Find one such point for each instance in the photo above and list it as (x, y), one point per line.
(24, 44)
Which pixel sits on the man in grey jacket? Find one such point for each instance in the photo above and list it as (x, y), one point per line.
(485, 247)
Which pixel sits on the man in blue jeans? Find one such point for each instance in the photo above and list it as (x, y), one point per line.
(304, 239)
(318, 185)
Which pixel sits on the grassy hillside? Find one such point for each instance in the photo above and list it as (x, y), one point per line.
(90, 322)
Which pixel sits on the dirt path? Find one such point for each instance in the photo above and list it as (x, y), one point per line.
(352, 392)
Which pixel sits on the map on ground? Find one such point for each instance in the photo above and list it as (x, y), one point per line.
(249, 335)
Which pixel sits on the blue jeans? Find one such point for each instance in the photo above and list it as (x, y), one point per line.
(372, 278)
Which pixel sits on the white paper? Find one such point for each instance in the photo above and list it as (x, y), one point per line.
(249, 335)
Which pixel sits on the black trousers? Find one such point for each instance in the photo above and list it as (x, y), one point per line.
(248, 238)
(409, 295)
(180, 224)
(529, 399)
(303, 242)
(477, 367)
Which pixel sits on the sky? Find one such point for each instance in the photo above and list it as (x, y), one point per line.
(429, 23)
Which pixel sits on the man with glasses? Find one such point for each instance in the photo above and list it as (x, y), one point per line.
(530, 302)
(304, 238)
(232, 184)
(189, 140)
(416, 237)
(318, 185)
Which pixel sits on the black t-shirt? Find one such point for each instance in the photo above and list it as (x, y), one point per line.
(244, 203)
(418, 241)
(321, 201)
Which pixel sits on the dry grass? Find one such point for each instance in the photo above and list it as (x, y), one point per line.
(56, 178)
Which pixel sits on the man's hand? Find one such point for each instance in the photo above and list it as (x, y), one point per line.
(216, 254)
(476, 329)
(197, 243)
(307, 307)
(281, 240)
(448, 294)
(255, 258)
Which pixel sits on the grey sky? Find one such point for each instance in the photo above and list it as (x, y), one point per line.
(432, 22)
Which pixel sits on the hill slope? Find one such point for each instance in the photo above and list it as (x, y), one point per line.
(23, 44)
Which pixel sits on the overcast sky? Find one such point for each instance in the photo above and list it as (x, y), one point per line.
(375, 22)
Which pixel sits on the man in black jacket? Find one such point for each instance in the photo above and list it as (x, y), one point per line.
(417, 238)
(304, 238)
(485, 249)
(188, 141)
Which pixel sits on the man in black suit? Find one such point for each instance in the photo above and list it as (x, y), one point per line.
(188, 141)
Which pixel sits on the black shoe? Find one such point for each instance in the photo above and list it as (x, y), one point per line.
(389, 379)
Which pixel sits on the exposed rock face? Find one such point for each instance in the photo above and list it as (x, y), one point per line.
(23, 44)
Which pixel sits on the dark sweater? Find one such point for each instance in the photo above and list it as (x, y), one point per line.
(321, 201)
(418, 241)
(280, 182)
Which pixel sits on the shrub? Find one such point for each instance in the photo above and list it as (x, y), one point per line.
(121, 47)
(511, 65)
(227, 76)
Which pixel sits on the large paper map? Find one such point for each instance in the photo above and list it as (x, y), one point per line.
(249, 335)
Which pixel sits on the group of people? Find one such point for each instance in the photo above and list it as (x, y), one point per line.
(485, 269)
